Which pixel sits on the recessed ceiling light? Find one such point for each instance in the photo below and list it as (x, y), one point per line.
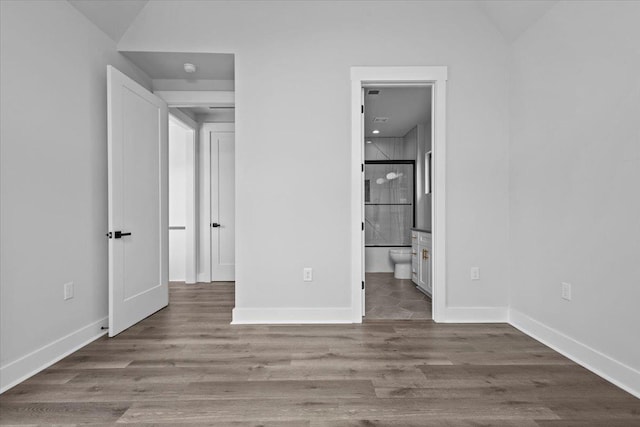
(189, 68)
(375, 131)
(368, 142)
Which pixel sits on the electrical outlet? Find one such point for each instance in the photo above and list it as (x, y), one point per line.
(68, 290)
(307, 274)
(566, 291)
(475, 273)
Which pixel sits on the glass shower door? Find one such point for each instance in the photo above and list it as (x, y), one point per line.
(389, 202)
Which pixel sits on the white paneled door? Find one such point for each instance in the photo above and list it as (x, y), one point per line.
(223, 227)
(138, 202)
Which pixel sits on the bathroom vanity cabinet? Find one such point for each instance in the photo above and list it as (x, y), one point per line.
(421, 244)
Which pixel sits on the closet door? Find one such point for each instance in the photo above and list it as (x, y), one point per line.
(223, 212)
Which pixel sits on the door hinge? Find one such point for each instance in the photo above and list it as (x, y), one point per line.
(362, 109)
(363, 284)
(363, 167)
(362, 226)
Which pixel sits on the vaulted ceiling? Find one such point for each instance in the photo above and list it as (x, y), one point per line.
(511, 17)
(113, 17)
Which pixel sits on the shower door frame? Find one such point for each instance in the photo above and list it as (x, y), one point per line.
(413, 199)
(436, 77)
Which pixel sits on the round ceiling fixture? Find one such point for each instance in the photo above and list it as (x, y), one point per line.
(189, 68)
(375, 131)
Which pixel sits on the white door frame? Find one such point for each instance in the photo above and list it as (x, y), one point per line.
(191, 231)
(204, 273)
(437, 76)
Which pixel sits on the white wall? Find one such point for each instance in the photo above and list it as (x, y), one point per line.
(293, 134)
(53, 181)
(575, 184)
(177, 200)
(191, 84)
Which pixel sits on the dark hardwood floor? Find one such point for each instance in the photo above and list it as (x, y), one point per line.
(186, 365)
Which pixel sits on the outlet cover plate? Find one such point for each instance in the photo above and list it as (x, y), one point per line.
(68, 290)
(566, 291)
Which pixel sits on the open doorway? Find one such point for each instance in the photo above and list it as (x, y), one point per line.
(199, 91)
(398, 188)
(397, 206)
(163, 156)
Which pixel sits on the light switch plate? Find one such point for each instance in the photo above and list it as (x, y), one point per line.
(475, 273)
(307, 274)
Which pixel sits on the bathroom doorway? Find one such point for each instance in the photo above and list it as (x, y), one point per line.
(397, 133)
(398, 194)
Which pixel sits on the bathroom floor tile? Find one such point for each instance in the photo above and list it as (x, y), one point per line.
(390, 298)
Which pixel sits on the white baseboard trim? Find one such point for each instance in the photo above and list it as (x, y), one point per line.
(203, 278)
(249, 316)
(623, 376)
(15, 372)
(474, 315)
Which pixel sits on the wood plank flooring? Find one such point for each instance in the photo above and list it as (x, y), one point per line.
(186, 365)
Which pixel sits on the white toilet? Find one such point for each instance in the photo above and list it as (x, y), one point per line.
(402, 261)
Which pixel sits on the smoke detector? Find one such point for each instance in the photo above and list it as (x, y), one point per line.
(189, 68)
(373, 92)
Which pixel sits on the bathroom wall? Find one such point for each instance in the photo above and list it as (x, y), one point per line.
(423, 201)
(390, 149)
